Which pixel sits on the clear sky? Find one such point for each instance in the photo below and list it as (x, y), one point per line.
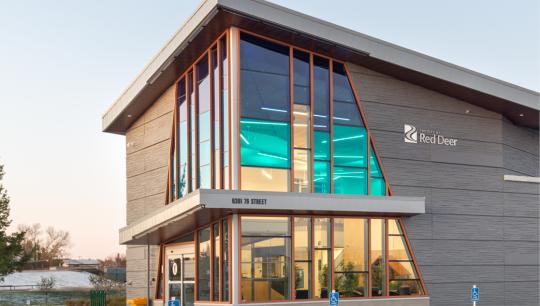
(62, 63)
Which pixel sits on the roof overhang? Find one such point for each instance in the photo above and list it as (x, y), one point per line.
(212, 17)
(204, 206)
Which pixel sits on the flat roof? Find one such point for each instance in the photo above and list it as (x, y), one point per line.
(213, 16)
(206, 205)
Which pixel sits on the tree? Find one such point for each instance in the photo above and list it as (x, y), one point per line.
(49, 245)
(55, 245)
(113, 261)
(100, 282)
(32, 239)
(46, 284)
(12, 255)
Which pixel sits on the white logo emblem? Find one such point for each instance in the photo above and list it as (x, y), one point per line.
(174, 268)
(410, 135)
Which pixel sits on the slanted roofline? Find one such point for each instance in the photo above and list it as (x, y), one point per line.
(213, 16)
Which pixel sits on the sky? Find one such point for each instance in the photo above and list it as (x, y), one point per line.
(64, 62)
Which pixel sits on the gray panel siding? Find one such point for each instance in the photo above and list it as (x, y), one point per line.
(478, 228)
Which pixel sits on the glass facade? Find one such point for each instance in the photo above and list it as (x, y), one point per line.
(265, 130)
(300, 129)
(343, 254)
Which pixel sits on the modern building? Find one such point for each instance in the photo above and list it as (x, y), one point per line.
(273, 158)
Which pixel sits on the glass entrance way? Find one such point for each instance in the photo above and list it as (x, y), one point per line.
(180, 274)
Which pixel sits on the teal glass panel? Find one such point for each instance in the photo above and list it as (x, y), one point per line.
(322, 145)
(350, 180)
(378, 186)
(265, 143)
(321, 177)
(350, 146)
(374, 164)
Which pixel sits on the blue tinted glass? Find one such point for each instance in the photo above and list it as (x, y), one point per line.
(342, 90)
(193, 128)
(350, 180)
(264, 70)
(347, 114)
(345, 110)
(203, 94)
(350, 146)
(182, 138)
(265, 143)
(301, 77)
(321, 88)
(321, 177)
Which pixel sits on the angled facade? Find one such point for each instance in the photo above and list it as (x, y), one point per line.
(276, 158)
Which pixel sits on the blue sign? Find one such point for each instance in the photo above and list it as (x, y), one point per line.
(334, 298)
(173, 303)
(475, 294)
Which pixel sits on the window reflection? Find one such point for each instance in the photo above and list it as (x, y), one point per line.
(265, 259)
(350, 256)
(203, 94)
(301, 77)
(182, 139)
(302, 257)
(203, 279)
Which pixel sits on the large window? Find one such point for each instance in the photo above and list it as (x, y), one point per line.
(213, 260)
(322, 257)
(300, 124)
(327, 253)
(321, 125)
(203, 265)
(182, 139)
(404, 278)
(200, 148)
(265, 258)
(265, 113)
(350, 138)
(302, 258)
(203, 95)
(350, 256)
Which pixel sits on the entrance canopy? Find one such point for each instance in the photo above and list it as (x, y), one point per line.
(203, 206)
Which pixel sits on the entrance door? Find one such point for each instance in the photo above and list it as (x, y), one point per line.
(180, 274)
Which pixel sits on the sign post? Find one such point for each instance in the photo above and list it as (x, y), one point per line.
(334, 298)
(475, 294)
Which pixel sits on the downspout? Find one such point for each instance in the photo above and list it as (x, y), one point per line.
(147, 271)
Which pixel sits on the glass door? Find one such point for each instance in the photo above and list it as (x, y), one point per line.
(180, 278)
